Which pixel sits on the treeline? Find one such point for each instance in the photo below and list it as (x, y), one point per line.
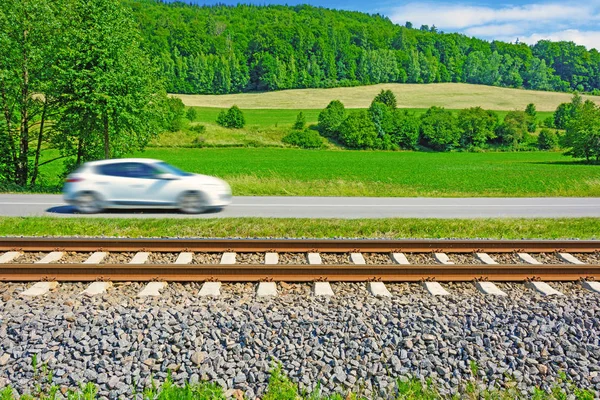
(385, 127)
(227, 49)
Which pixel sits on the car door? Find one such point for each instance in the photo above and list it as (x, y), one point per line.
(123, 184)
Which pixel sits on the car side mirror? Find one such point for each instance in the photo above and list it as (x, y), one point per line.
(166, 176)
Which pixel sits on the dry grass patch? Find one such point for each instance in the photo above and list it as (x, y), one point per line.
(449, 95)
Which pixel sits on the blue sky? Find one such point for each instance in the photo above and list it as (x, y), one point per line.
(527, 21)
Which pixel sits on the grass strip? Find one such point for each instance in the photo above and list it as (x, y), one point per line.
(390, 228)
(282, 388)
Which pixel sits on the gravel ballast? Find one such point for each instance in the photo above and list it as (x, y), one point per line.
(351, 341)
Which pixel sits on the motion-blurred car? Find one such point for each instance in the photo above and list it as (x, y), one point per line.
(142, 183)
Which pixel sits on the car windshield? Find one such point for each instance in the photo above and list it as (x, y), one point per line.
(171, 169)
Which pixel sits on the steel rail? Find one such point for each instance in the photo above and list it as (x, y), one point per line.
(295, 273)
(296, 245)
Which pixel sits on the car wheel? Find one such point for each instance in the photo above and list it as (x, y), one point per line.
(88, 203)
(192, 203)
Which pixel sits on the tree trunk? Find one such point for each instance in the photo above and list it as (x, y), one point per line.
(79, 152)
(22, 165)
(38, 149)
(106, 138)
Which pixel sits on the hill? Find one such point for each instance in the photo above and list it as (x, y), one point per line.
(449, 95)
(228, 49)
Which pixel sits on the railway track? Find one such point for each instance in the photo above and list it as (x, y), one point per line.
(52, 260)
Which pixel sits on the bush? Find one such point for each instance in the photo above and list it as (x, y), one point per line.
(386, 97)
(331, 118)
(191, 114)
(232, 118)
(175, 115)
(198, 128)
(439, 129)
(405, 130)
(547, 140)
(358, 131)
(513, 130)
(306, 139)
(300, 121)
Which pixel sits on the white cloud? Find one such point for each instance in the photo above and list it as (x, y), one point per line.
(555, 21)
(589, 39)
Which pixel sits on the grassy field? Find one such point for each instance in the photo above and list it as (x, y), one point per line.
(392, 228)
(264, 128)
(268, 171)
(449, 95)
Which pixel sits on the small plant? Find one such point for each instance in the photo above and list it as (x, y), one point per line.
(232, 118)
(198, 128)
(306, 139)
(547, 140)
(280, 387)
(191, 114)
(300, 121)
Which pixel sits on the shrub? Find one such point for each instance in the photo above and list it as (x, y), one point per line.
(358, 131)
(381, 116)
(198, 128)
(477, 126)
(191, 114)
(175, 115)
(439, 129)
(547, 140)
(331, 118)
(405, 130)
(513, 130)
(232, 118)
(306, 139)
(386, 97)
(531, 113)
(300, 121)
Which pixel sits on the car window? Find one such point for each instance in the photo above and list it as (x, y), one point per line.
(171, 169)
(129, 170)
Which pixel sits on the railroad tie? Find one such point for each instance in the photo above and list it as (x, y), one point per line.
(40, 289)
(528, 259)
(210, 289)
(152, 289)
(486, 259)
(227, 258)
(266, 289)
(271, 258)
(400, 258)
(184, 258)
(9, 256)
(570, 258)
(314, 258)
(435, 289)
(96, 258)
(591, 285)
(443, 258)
(357, 258)
(96, 288)
(378, 289)
(140, 257)
(50, 257)
(322, 289)
(543, 288)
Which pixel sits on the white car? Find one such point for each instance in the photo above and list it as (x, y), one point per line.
(142, 183)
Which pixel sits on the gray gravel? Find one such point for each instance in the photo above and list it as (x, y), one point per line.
(352, 341)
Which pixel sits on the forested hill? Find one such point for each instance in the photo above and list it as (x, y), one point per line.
(224, 49)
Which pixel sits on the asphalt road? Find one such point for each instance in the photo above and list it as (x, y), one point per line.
(331, 207)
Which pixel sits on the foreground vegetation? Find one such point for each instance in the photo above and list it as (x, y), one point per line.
(389, 228)
(280, 387)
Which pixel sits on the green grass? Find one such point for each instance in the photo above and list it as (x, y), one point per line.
(294, 172)
(264, 128)
(391, 228)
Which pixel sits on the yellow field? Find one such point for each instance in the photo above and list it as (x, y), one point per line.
(449, 95)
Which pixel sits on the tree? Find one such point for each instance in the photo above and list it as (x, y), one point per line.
(381, 116)
(27, 56)
(331, 118)
(531, 113)
(405, 130)
(386, 97)
(513, 130)
(547, 140)
(477, 126)
(111, 99)
(232, 118)
(300, 121)
(583, 132)
(439, 129)
(358, 131)
(191, 114)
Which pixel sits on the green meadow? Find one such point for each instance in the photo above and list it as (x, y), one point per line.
(295, 172)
